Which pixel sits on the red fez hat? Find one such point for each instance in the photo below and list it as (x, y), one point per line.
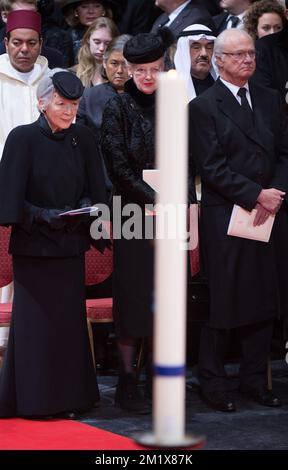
(23, 19)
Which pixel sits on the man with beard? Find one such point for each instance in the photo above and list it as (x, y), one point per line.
(193, 59)
(21, 69)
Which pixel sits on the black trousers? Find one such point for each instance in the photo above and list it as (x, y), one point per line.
(255, 341)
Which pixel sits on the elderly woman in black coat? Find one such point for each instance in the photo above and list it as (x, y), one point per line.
(128, 146)
(47, 168)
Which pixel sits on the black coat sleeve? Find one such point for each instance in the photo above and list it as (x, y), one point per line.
(280, 177)
(96, 189)
(115, 149)
(82, 112)
(14, 176)
(211, 159)
(264, 67)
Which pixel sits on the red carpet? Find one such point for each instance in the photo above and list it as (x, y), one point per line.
(22, 434)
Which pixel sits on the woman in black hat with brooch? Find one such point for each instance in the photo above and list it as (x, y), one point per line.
(128, 145)
(48, 167)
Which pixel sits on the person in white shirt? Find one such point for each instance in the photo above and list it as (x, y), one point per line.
(21, 69)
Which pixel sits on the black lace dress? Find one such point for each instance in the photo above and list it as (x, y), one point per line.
(128, 146)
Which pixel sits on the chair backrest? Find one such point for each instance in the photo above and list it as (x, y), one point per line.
(98, 266)
(6, 270)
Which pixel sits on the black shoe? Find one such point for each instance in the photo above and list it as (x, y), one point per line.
(128, 396)
(67, 415)
(261, 395)
(77, 413)
(219, 400)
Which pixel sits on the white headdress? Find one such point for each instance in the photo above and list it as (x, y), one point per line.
(182, 59)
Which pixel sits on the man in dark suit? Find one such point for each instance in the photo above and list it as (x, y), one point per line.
(239, 139)
(178, 14)
(233, 15)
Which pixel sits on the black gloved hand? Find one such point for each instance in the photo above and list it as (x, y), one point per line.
(52, 218)
(75, 221)
(40, 215)
(84, 202)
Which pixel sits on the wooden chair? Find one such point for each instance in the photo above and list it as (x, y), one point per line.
(98, 268)
(6, 276)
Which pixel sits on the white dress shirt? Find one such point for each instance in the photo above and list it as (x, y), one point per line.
(240, 25)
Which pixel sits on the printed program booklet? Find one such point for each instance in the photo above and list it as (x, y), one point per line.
(83, 210)
(241, 225)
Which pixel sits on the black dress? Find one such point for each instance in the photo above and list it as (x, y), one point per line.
(127, 142)
(48, 367)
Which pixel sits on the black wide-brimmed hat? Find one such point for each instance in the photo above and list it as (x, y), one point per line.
(148, 47)
(69, 3)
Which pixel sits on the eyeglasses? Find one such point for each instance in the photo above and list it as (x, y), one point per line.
(144, 72)
(241, 55)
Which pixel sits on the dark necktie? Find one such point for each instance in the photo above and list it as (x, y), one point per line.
(234, 21)
(164, 20)
(246, 108)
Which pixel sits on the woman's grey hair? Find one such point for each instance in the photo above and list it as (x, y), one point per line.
(45, 88)
(224, 37)
(117, 44)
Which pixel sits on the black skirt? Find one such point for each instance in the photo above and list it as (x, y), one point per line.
(133, 281)
(48, 366)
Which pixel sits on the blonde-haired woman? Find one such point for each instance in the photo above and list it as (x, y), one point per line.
(94, 44)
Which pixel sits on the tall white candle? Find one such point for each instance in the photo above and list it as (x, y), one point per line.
(170, 292)
(170, 298)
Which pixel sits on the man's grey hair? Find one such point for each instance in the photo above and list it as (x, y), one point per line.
(223, 39)
(45, 88)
